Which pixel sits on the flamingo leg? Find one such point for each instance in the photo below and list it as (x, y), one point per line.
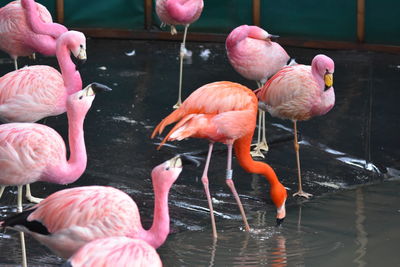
(30, 197)
(204, 180)
(300, 193)
(181, 56)
(21, 234)
(15, 63)
(231, 185)
(264, 145)
(257, 151)
(2, 190)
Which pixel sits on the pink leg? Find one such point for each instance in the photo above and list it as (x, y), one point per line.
(229, 182)
(204, 179)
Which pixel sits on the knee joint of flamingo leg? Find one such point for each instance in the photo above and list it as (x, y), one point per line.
(296, 147)
(229, 174)
(204, 180)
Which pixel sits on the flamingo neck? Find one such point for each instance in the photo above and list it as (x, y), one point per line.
(72, 78)
(37, 24)
(76, 165)
(242, 151)
(319, 78)
(236, 37)
(159, 230)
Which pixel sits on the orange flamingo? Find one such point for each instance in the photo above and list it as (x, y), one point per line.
(115, 251)
(300, 92)
(224, 112)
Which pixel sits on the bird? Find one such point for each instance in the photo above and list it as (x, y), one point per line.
(27, 27)
(300, 92)
(253, 55)
(224, 112)
(115, 251)
(31, 152)
(33, 93)
(68, 219)
(179, 12)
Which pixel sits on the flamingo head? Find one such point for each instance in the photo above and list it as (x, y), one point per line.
(245, 31)
(324, 67)
(76, 44)
(278, 195)
(81, 101)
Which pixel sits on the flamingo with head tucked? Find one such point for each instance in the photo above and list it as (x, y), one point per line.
(33, 93)
(224, 112)
(300, 92)
(115, 251)
(26, 27)
(179, 12)
(254, 56)
(68, 219)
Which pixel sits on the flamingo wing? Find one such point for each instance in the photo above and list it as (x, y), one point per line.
(31, 93)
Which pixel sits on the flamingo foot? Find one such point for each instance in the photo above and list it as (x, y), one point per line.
(177, 105)
(301, 193)
(35, 200)
(257, 152)
(173, 30)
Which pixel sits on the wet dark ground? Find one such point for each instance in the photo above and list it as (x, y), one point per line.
(348, 157)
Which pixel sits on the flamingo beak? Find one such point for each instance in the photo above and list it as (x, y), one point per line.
(272, 36)
(328, 78)
(280, 214)
(95, 88)
(189, 159)
(175, 162)
(80, 57)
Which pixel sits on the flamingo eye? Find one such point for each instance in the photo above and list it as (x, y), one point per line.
(81, 45)
(81, 97)
(167, 168)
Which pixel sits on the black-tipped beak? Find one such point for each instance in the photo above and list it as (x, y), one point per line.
(98, 88)
(272, 36)
(188, 159)
(279, 221)
(78, 62)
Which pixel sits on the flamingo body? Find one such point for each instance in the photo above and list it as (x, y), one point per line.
(253, 55)
(71, 218)
(26, 27)
(36, 92)
(298, 92)
(224, 112)
(179, 12)
(115, 251)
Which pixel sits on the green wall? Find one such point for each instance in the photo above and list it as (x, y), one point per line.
(305, 19)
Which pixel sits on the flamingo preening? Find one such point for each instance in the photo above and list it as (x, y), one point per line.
(300, 92)
(68, 219)
(254, 56)
(26, 27)
(224, 112)
(179, 12)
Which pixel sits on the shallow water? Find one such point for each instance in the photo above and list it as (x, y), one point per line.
(348, 157)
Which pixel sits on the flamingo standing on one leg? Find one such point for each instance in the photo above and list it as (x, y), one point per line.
(70, 218)
(33, 93)
(26, 27)
(179, 12)
(300, 92)
(254, 56)
(115, 251)
(31, 152)
(224, 112)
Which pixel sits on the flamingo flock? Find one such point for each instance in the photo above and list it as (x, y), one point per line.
(101, 225)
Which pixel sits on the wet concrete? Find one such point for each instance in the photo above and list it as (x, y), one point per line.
(356, 143)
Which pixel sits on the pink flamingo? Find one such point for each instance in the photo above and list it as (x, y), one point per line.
(33, 93)
(254, 56)
(224, 112)
(70, 218)
(115, 251)
(31, 152)
(179, 12)
(26, 27)
(300, 92)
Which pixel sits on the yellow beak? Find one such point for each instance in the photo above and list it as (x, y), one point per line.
(328, 78)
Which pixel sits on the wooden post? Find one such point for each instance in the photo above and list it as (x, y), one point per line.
(256, 12)
(361, 21)
(60, 11)
(148, 12)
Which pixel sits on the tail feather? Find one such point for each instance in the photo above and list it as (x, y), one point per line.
(171, 118)
(173, 130)
(22, 219)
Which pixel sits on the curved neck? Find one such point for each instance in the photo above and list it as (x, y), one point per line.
(242, 151)
(72, 78)
(37, 24)
(159, 230)
(76, 165)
